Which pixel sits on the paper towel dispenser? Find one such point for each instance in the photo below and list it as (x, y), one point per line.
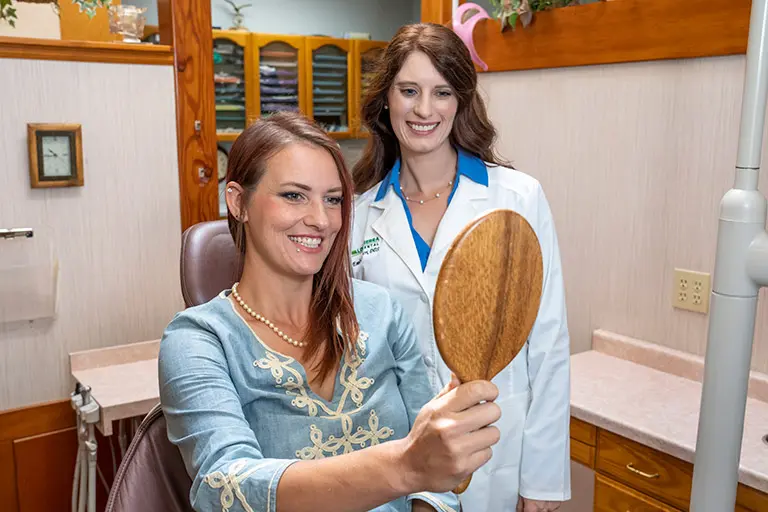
(28, 275)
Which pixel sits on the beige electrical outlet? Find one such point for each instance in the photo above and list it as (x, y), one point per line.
(691, 290)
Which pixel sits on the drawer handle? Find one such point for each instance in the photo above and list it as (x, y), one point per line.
(641, 473)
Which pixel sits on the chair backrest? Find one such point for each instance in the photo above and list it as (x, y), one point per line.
(152, 475)
(210, 262)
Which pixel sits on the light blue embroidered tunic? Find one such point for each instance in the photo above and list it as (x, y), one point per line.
(241, 412)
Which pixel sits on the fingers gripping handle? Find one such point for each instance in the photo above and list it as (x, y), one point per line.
(463, 485)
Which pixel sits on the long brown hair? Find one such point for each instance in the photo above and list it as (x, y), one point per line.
(472, 131)
(331, 305)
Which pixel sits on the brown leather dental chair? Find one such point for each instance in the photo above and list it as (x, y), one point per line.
(152, 476)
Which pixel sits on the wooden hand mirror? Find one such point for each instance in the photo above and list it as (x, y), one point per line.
(487, 296)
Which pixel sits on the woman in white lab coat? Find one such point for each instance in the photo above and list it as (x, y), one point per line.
(428, 170)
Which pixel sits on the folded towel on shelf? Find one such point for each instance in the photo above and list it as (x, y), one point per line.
(334, 112)
(274, 107)
(330, 58)
(221, 78)
(340, 100)
(230, 108)
(281, 99)
(328, 75)
(276, 54)
(278, 81)
(321, 65)
(278, 64)
(230, 117)
(266, 89)
(328, 91)
(223, 90)
(277, 73)
(230, 98)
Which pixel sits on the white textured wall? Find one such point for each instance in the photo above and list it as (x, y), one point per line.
(634, 159)
(117, 238)
(33, 20)
(380, 18)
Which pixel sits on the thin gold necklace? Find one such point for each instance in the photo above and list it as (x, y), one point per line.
(422, 201)
(247, 308)
(437, 195)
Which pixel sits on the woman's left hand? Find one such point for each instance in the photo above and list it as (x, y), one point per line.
(526, 505)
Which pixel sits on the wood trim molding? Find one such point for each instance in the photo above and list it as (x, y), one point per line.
(84, 51)
(37, 419)
(185, 24)
(612, 32)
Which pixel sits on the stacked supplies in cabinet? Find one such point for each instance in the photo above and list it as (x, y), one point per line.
(329, 90)
(229, 85)
(279, 79)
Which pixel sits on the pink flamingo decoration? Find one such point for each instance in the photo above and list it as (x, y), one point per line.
(464, 25)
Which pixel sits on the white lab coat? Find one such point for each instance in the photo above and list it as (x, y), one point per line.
(532, 457)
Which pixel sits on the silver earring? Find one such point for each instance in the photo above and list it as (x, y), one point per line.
(386, 107)
(229, 189)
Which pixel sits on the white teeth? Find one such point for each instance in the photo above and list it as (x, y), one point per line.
(423, 127)
(311, 243)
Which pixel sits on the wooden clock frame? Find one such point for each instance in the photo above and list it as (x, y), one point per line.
(35, 133)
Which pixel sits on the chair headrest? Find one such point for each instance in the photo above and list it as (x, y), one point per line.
(210, 262)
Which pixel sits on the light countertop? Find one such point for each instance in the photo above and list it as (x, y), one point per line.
(658, 409)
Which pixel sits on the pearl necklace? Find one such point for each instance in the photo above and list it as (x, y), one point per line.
(260, 318)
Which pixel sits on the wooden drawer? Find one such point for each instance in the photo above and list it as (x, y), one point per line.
(749, 499)
(583, 431)
(661, 476)
(582, 453)
(611, 496)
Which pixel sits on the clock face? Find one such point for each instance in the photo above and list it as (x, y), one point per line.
(57, 156)
(223, 160)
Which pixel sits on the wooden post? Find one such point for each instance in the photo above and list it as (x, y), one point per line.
(436, 11)
(186, 25)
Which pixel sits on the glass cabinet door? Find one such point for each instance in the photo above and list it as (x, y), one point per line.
(280, 61)
(231, 53)
(330, 84)
(366, 55)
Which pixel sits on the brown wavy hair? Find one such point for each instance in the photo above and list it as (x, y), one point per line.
(331, 305)
(471, 131)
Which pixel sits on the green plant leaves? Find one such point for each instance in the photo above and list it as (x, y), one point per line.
(508, 12)
(8, 12)
(88, 7)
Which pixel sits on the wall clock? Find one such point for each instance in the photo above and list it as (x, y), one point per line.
(223, 161)
(55, 155)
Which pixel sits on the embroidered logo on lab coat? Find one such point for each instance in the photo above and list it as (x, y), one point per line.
(369, 246)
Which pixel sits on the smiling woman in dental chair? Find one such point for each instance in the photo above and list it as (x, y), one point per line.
(301, 389)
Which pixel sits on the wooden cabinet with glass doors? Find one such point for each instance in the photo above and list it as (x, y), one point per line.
(280, 61)
(257, 75)
(330, 85)
(233, 74)
(366, 57)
